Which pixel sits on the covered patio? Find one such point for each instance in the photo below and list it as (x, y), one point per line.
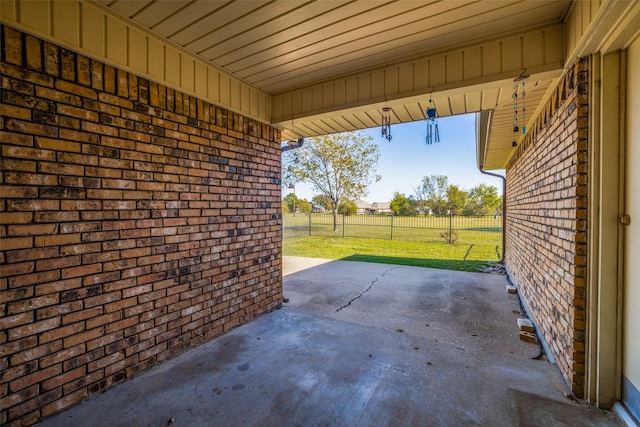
(357, 344)
(140, 209)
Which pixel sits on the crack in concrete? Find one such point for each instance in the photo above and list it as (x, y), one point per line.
(366, 290)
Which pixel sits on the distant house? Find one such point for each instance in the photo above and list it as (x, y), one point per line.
(381, 207)
(317, 208)
(424, 211)
(363, 207)
(373, 208)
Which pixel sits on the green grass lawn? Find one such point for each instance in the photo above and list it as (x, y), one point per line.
(418, 241)
(465, 257)
(485, 230)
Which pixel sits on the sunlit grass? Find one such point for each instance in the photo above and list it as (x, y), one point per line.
(465, 257)
(416, 240)
(485, 230)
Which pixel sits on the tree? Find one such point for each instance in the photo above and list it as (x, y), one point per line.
(483, 200)
(420, 199)
(433, 189)
(290, 200)
(347, 208)
(295, 204)
(304, 206)
(403, 205)
(340, 166)
(456, 199)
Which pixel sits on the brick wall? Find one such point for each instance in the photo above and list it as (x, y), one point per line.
(136, 222)
(546, 222)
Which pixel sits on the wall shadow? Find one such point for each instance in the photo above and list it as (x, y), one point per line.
(445, 264)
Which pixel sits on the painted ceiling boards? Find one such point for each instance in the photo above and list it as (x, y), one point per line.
(279, 45)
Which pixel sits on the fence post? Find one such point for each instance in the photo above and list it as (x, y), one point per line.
(450, 227)
(343, 217)
(392, 216)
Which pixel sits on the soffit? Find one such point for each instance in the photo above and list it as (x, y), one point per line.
(277, 46)
(500, 136)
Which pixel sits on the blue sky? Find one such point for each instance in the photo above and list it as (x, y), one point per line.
(406, 159)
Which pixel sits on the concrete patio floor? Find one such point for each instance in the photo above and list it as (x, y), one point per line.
(357, 345)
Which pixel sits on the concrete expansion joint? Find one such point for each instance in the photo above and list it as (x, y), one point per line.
(366, 290)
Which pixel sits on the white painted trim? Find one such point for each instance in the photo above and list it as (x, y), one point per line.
(593, 232)
(621, 411)
(603, 369)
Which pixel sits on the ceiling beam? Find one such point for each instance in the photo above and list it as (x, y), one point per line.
(535, 51)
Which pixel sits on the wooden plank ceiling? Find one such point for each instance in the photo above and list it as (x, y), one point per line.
(281, 45)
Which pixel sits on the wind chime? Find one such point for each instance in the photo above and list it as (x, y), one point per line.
(432, 123)
(386, 122)
(523, 109)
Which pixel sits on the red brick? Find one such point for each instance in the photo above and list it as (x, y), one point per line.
(15, 269)
(15, 111)
(56, 240)
(33, 278)
(13, 46)
(63, 403)
(105, 361)
(31, 254)
(33, 328)
(83, 337)
(64, 378)
(7, 322)
(103, 319)
(120, 304)
(60, 333)
(131, 215)
(16, 138)
(83, 92)
(15, 243)
(19, 397)
(28, 153)
(102, 299)
(77, 316)
(82, 270)
(81, 383)
(34, 53)
(35, 353)
(35, 377)
(18, 165)
(32, 303)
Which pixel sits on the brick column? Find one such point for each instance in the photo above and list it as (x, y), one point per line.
(546, 240)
